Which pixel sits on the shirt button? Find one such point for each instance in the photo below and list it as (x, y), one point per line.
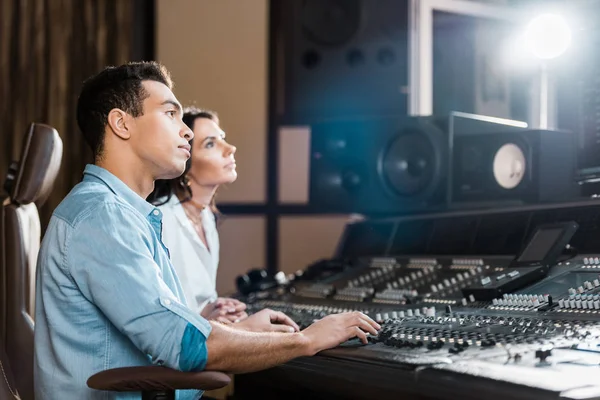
(168, 302)
(156, 212)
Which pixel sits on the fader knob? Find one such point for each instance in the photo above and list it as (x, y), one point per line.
(542, 354)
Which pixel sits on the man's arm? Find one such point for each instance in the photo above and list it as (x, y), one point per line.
(117, 273)
(241, 351)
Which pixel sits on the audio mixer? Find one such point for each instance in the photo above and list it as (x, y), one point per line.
(468, 327)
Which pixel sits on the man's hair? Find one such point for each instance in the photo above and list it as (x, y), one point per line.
(115, 87)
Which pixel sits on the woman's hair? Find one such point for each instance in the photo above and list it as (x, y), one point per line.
(164, 189)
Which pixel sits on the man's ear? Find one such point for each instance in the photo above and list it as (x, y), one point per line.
(118, 122)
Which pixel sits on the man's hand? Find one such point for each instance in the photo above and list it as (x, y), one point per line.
(335, 329)
(225, 310)
(267, 320)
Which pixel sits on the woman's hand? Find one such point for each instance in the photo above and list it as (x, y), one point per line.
(225, 310)
(267, 320)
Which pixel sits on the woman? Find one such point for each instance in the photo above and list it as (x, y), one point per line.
(189, 223)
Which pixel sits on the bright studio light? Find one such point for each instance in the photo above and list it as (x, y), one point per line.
(548, 36)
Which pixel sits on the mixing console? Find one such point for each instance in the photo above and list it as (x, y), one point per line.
(545, 335)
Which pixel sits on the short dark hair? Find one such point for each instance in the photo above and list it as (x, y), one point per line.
(164, 189)
(115, 87)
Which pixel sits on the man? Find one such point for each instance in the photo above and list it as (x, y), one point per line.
(107, 295)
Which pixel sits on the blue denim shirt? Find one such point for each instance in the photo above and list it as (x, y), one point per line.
(107, 295)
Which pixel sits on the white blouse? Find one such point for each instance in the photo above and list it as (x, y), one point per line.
(196, 266)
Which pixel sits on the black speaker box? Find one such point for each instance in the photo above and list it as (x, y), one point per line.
(405, 165)
(527, 166)
(390, 165)
(339, 58)
(378, 166)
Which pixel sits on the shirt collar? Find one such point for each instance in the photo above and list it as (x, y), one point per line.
(177, 209)
(118, 187)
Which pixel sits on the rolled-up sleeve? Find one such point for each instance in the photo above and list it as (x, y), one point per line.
(117, 272)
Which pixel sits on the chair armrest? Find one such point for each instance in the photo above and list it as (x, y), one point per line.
(140, 379)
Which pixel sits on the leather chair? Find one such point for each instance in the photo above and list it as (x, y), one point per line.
(8, 386)
(29, 182)
(28, 185)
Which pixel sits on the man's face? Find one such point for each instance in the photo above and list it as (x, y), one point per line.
(159, 137)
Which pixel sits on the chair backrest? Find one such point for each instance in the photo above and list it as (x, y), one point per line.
(28, 185)
(8, 387)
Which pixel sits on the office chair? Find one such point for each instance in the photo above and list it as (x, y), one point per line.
(28, 184)
(8, 386)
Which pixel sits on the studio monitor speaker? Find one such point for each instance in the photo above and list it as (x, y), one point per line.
(529, 166)
(339, 58)
(404, 165)
(378, 165)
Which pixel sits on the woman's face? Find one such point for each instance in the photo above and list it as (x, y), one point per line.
(213, 161)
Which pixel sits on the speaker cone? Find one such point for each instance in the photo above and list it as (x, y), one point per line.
(408, 164)
(509, 166)
(330, 22)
